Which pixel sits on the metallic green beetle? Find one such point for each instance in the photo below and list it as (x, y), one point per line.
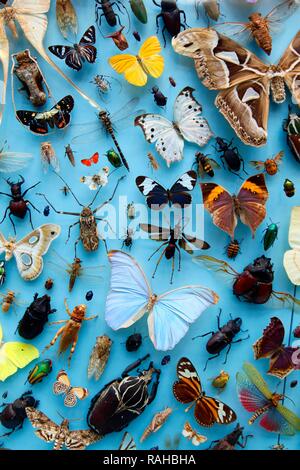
(40, 370)
(270, 235)
(114, 158)
(139, 10)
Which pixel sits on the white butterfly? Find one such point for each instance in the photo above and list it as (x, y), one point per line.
(291, 259)
(28, 252)
(96, 181)
(187, 125)
(193, 435)
(170, 314)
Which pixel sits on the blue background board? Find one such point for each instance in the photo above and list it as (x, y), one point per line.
(255, 318)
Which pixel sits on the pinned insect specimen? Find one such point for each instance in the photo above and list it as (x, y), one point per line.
(89, 295)
(74, 270)
(270, 165)
(93, 160)
(152, 161)
(62, 386)
(49, 283)
(99, 180)
(65, 190)
(13, 415)
(171, 327)
(35, 317)
(59, 116)
(233, 249)
(139, 10)
(188, 389)
(2, 272)
(131, 212)
(46, 211)
(229, 155)
(223, 338)
(172, 82)
(99, 357)
(119, 39)
(70, 331)
(260, 27)
(172, 241)
(77, 54)
(211, 8)
(250, 200)
(271, 346)
(292, 127)
(169, 136)
(114, 158)
(134, 342)
(61, 435)
(289, 188)
(159, 98)
(294, 383)
(193, 435)
(127, 442)
(165, 360)
(28, 72)
(15, 355)
(128, 239)
(66, 17)
(8, 300)
(18, 206)
(103, 83)
(231, 440)
(104, 8)
(171, 16)
(70, 154)
(256, 397)
(29, 251)
(41, 370)
(13, 161)
(87, 220)
(254, 284)
(220, 381)
(270, 235)
(157, 422)
(291, 257)
(205, 165)
(136, 35)
(245, 87)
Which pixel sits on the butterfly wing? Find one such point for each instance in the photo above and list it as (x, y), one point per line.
(15, 355)
(129, 292)
(168, 143)
(290, 64)
(209, 410)
(61, 51)
(271, 340)
(62, 384)
(291, 259)
(149, 54)
(129, 66)
(219, 203)
(64, 107)
(4, 59)
(169, 320)
(187, 115)
(70, 399)
(179, 192)
(156, 195)
(252, 199)
(28, 252)
(188, 387)
(79, 440)
(14, 161)
(86, 48)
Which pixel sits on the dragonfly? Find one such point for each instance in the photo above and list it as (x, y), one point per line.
(110, 124)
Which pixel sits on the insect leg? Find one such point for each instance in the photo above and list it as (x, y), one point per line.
(154, 252)
(55, 210)
(173, 268)
(244, 443)
(72, 350)
(240, 340)
(134, 365)
(210, 359)
(157, 22)
(67, 308)
(29, 202)
(75, 245)
(5, 194)
(53, 341)
(69, 231)
(158, 262)
(59, 322)
(5, 213)
(231, 171)
(228, 350)
(154, 388)
(111, 197)
(179, 257)
(90, 318)
(163, 35)
(31, 187)
(13, 224)
(30, 218)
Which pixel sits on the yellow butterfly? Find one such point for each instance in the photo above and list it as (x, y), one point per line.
(15, 355)
(136, 68)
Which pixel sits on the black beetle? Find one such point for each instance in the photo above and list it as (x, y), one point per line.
(223, 337)
(134, 342)
(105, 8)
(171, 16)
(231, 440)
(13, 415)
(231, 156)
(35, 317)
(159, 98)
(123, 399)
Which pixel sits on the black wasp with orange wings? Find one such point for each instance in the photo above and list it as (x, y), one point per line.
(188, 389)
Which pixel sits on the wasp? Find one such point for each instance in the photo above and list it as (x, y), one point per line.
(205, 165)
(8, 299)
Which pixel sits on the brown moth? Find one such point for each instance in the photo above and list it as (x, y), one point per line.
(244, 80)
(60, 434)
(211, 8)
(99, 357)
(157, 422)
(66, 17)
(28, 72)
(260, 27)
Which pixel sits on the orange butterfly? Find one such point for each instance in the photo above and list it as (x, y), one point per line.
(248, 205)
(90, 161)
(63, 386)
(188, 389)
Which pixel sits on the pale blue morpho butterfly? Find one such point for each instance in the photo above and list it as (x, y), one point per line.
(169, 314)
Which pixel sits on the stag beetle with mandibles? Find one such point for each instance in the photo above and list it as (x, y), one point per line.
(106, 7)
(18, 206)
(223, 337)
(171, 16)
(123, 399)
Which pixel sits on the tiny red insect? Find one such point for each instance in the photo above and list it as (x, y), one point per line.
(90, 161)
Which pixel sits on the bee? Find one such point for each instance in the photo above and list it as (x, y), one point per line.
(152, 160)
(233, 249)
(289, 188)
(8, 299)
(205, 165)
(270, 165)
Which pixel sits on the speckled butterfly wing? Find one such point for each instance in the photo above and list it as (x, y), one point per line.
(79, 440)
(188, 389)
(46, 429)
(270, 346)
(29, 251)
(63, 386)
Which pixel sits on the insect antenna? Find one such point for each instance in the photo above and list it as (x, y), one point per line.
(94, 198)
(66, 184)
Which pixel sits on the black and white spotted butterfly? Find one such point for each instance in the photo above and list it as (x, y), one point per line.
(157, 196)
(187, 125)
(78, 53)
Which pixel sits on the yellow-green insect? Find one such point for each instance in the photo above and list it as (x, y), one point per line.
(221, 380)
(40, 370)
(114, 158)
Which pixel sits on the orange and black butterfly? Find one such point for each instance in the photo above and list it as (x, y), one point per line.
(188, 389)
(248, 205)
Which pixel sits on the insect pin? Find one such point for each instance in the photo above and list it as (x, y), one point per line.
(157, 422)
(289, 188)
(233, 249)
